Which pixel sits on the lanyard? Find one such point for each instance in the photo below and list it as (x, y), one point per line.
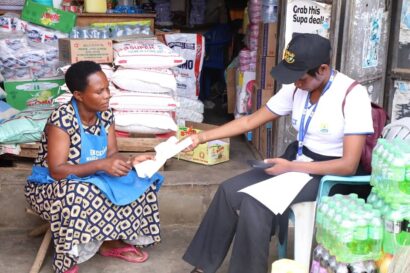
(304, 127)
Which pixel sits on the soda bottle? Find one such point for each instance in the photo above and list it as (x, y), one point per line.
(360, 247)
(345, 239)
(357, 267)
(324, 262)
(321, 211)
(375, 235)
(404, 186)
(404, 235)
(341, 268)
(370, 266)
(392, 227)
(317, 256)
(332, 264)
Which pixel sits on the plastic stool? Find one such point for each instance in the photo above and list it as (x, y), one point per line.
(303, 217)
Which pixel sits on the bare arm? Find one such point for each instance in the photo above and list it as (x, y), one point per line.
(235, 127)
(346, 165)
(58, 148)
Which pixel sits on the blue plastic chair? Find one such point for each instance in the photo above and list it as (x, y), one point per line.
(398, 129)
(305, 213)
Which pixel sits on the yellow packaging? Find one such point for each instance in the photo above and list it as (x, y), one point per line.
(210, 153)
(96, 6)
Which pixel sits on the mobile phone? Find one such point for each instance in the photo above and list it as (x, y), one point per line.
(259, 164)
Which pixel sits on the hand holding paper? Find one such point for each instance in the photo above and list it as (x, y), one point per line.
(164, 151)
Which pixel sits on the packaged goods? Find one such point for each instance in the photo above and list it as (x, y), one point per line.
(49, 17)
(143, 102)
(25, 126)
(192, 48)
(75, 50)
(145, 80)
(144, 123)
(209, 153)
(21, 94)
(6, 111)
(145, 53)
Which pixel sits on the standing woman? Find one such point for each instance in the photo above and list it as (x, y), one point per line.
(88, 192)
(330, 141)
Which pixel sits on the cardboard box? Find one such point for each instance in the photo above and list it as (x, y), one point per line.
(58, 19)
(267, 39)
(263, 67)
(231, 89)
(75, 50)
(210, 153)
(21, 94)
(260, 97)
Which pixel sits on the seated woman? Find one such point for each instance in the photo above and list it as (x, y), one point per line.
(84, 187)
(330, 141)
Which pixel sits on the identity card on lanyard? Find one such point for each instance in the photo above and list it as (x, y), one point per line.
(304, 127)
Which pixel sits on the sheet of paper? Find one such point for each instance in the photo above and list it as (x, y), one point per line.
(163, 151)
(277, 192)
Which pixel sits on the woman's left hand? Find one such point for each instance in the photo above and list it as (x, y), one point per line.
(280, 166)
(141, 158)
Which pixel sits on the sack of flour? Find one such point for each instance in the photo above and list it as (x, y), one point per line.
(192, 48)
(145, 53)
(146, 80)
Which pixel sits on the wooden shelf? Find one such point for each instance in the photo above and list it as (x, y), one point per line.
(85, 19)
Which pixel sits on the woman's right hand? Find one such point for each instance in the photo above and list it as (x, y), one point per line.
(117, 166)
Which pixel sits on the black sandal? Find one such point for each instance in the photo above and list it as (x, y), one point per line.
(197, 270)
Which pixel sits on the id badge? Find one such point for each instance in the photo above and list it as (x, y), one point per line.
(303, 158)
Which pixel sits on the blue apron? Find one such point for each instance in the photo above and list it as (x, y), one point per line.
(120, 190)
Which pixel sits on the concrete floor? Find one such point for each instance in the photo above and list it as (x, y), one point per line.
(18, 251)
(183, 199)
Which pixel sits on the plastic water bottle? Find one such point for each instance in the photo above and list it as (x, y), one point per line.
(404, 186)
(392, 227)
(375, 235)
(359, 243)
(321, 211)
(270, 11)
(345, 239)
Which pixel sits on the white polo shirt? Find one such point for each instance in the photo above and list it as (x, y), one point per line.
(328, 124)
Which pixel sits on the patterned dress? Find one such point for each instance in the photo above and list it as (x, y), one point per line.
(79, 213)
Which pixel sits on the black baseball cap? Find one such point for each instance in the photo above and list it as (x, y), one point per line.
(304, 52)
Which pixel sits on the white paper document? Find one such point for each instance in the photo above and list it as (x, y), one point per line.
(278, 192)
(164, 151)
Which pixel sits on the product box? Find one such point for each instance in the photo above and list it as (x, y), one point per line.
(263, 67)
(210, 153)
(21, 94)
(75, 50)
(262, 140)
(230, 89)
(58, 19)
(267, 39)
(260, 97)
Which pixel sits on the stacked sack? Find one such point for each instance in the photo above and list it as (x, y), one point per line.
(192, 48)
(30, 52)
(145, 100)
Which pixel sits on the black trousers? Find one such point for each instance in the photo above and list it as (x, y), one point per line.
(235, 214)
